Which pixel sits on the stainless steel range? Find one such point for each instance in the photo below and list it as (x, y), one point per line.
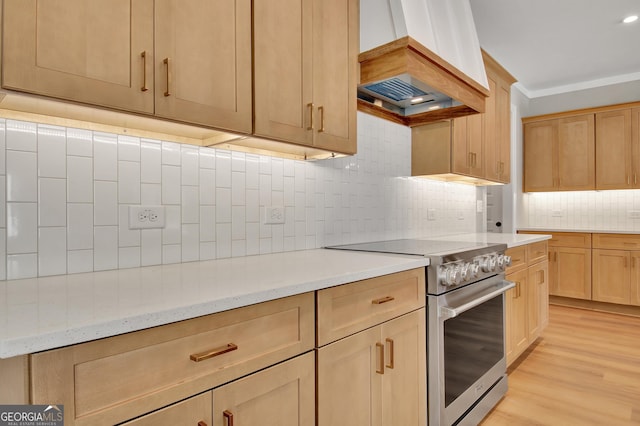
(465, 322)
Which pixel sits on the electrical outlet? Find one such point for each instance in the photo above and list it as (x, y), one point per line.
(146, 217)
(273, 215)
(431, 214)
(556, 213)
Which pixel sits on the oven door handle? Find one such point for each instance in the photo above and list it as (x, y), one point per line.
(448, 312)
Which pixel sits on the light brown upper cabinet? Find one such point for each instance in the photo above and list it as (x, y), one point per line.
(82, 50)
(559, 154)
(305, 71)
(184, 60)
(475, 148)
(615, 166)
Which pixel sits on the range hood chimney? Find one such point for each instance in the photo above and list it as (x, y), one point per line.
(420, 62)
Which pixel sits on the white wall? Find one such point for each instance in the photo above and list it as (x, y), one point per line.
(65, 195)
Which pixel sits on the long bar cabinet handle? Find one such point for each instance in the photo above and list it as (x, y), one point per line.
(228, 415)
(143, 55)
(382, 300)
(321, 112)
(166, 62)
(379, 358)
(391, 353)
(202, 356)
(310, 106)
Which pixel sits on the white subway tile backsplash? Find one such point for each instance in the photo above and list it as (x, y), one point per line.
(3, 148)
(52, 202)
(171, 188)
(79, 179)
(22, 228)
(128, 148)
(215, 199)
(190, 165)
(52, 151)
(79, 261)
(105, 251)
(106, 203)
(79, 142)
(3, 254)
(22, 176)
(22, 135)
(22, 266)
(3, 203)
(150, 161)
(105, 153)
(52, 251)
(80, 229)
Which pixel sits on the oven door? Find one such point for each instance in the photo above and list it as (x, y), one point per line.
(467, 363)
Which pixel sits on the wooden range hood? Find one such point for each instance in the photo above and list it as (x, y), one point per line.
(407, 60)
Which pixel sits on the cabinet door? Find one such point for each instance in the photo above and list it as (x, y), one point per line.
(538, 299)
(404, 380)
(203, 62)
(503, 129)
(349, 380)
(611, 276)
(613, 150)
(335, 74)
(282, 35)
(570, 272)
(492, 145)
(576, 153)
(193, 411)
(635, 278)
(59, 49)
(540, 156)
(516, 310)
(467, 146)
(635, 146)
(283, 395)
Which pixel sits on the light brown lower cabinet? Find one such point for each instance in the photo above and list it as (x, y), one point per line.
(527, 304)
(375, 377)
(616, 268)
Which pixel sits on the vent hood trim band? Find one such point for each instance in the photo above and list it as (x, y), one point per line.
(407, 57)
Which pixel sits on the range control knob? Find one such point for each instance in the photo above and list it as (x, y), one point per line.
(465, 271)
(453, 275)
(474, 270)
(503, 261)
(488, 263)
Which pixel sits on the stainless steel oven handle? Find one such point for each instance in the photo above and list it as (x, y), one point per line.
(448, 312)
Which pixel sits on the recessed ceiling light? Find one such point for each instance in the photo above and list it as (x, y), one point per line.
(630, 19)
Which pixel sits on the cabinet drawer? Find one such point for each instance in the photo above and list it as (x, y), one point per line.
(349, 308)
(537, 252)
(518, 258)
(195, 411)
(570, 239)
(616, 241)
(118, 378)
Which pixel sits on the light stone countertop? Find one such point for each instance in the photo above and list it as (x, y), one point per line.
(582, 231)
(45, 313)
(511, 240)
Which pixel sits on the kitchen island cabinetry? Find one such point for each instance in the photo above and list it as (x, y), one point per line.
(186, 61)
(527, 304)
(305, 69)
(371, 362)
(559, 154)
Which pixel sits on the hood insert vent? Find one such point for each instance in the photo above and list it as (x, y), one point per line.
(405, 82)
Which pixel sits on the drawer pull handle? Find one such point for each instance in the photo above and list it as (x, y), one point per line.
(380, 358)
(213, 353)
(383, 300)
(391, 351)
(229, 416)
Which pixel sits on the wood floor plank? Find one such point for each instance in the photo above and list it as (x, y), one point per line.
(584, 370)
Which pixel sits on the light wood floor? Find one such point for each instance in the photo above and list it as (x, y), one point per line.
(584, 370)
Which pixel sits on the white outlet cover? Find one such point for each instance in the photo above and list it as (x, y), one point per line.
(274, 215)
(146, 217)
(431, 214)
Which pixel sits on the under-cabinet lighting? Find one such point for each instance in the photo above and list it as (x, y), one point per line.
(416, 100)
(630, 19)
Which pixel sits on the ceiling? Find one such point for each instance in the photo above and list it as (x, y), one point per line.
(555, 46)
